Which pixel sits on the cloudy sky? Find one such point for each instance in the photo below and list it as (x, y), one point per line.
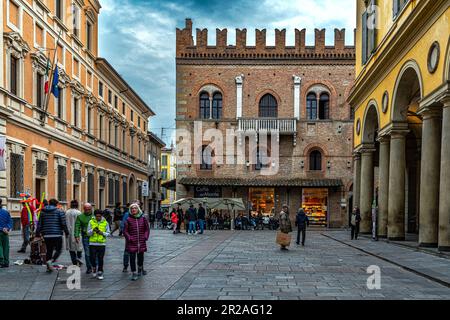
(138, 36)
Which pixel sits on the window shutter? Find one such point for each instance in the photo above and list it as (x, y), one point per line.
(364, 37)
(62, 183)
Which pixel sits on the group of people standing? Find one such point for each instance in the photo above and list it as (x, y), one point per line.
(83, 231)
(194, 219)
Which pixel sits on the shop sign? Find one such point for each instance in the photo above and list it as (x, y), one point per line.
(145, 188)
(207, 192)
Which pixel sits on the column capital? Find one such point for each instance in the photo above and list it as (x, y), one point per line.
(297, 79)
(431, 111)
(446, 101)
(239, 79)
(395, 129)
(356, 155)
(384, 139)
(367, 148)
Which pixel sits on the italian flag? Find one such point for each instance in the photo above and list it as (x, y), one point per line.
(47, 69)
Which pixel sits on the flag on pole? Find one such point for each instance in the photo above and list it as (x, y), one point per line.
(55, 88)
(47, 69)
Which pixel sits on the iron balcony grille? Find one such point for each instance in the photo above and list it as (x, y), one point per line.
(41, 168)
(16, 180)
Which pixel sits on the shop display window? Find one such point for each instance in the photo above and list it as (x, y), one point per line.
(315, 205)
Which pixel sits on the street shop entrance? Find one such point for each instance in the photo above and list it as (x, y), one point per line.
(263, 201)
(315, 205)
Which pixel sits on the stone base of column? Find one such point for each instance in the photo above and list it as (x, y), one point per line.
(428, 245)
(396, 238)
(444, 248)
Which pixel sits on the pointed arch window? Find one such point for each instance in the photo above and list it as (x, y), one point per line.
(217, 106)
(268, 107)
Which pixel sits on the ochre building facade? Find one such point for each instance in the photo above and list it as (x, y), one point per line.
(89, 144)
(297, 94)
(402, 119)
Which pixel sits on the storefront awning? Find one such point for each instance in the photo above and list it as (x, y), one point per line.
(267, 182)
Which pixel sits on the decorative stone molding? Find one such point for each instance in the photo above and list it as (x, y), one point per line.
(16, 45)
(39, 62)
(77, 88)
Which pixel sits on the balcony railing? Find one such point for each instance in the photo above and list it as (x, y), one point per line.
(282, 126)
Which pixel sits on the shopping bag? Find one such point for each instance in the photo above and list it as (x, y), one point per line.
(283, 239)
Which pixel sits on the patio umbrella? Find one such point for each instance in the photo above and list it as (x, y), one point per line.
(185, 203)
(226, 203)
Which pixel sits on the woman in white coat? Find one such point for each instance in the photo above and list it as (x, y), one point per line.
(75, 248)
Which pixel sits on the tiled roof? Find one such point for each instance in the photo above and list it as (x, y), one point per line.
(261, 182)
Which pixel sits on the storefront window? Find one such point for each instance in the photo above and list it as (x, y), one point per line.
(263, 200)
(315, 204)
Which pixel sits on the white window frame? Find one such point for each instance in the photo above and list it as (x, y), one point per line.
(44, 34)
(61, 64)
(77, 19)
(19, 75)
(89, 84)
(11, 25)
(72, 120)
(79, 68)
(55, 103)
(63, 5)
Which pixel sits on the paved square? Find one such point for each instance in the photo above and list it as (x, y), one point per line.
(228, 265)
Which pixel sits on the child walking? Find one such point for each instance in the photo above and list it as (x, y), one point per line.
(98, 230)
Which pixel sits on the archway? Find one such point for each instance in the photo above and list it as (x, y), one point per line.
(369, 165)
(132, 188)
(405, 104)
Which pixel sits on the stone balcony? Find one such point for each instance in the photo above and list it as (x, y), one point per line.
(278, 125)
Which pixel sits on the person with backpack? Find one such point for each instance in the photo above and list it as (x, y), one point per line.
(6, 225)
(136, 232)
(75, 248)
(52, 225)
(301, 221)
(98, 230)
(81, 225)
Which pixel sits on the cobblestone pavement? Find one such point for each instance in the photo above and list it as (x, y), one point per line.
(229, 265)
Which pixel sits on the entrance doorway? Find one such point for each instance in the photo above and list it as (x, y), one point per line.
(315, 205)
(263, 200)
(39, 188)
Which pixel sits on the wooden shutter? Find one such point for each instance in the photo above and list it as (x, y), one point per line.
(62, 183)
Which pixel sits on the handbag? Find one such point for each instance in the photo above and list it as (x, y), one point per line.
(283, 239)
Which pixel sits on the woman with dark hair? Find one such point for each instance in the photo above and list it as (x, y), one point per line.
(75, 248)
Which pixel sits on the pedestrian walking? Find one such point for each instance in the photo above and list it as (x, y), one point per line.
(201, 217)
(285, 225)
(126, 254)
(354, 223)
(75, 247)
(118, 216)
(174, 220)
(52, 225)
(6, 225)
(136, 232)
(180, 215)
(152, 220)
(81, 225)
(301, 221)
(192, 218)
(159, 215)
(98, 229)
(26, 227)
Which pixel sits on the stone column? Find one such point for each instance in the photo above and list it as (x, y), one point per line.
(356, 179)
(383, 191)
(444, 192)
(297, 83)
(366, 196)
(396, 202)
(429, 178)
(239, 81)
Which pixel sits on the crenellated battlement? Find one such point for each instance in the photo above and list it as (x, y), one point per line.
(187, 49)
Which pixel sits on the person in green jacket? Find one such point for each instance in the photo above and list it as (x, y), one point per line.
(81, 227)
(98, 230)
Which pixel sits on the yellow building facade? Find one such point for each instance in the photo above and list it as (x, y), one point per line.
(168, 173)
(401, 102)
(88, 144)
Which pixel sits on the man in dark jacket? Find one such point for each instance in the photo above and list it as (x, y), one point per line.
(51, 226)
(180, 218)
(201, 216)
(118, 215)
(301, 221)
(354, 223)
(192, 217)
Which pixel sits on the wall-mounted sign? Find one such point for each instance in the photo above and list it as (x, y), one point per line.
(145, 188)
(207, 192)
